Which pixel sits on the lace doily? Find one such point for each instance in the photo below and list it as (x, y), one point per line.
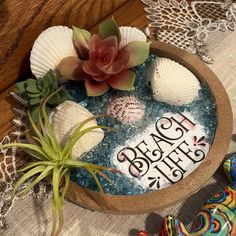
(187, 24)
(10, 160)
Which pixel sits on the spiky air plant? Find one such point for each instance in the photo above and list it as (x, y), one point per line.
(54, 161)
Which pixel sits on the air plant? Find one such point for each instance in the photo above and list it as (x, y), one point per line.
(54, 161)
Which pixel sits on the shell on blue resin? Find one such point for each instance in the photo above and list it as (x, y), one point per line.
(66, 118)
(51, 46)
(127, 109)
(173, 83)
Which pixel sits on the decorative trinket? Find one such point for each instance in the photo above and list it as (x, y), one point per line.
(217, 216)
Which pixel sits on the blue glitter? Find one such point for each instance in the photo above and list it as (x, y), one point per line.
(203, 110)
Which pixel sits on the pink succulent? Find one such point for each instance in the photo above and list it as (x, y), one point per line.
(107, 66)
(104, 64)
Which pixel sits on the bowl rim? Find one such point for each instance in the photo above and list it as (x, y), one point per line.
(157, 200)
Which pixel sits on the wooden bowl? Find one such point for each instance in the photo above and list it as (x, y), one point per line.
(136, 204)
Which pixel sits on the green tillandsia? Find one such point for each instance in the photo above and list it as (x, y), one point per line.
(33, 91)
(54, 161)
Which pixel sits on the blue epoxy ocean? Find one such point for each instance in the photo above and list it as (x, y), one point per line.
(203, 109)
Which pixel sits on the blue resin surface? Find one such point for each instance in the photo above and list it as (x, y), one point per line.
(203, 110)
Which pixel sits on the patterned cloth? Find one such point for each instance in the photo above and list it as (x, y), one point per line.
(187, 24)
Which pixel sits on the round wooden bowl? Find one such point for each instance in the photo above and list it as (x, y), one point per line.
(136, 204)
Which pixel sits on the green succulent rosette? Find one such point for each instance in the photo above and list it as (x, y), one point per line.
(33, 91)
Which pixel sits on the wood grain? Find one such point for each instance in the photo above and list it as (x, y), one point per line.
(21, 65)
(22, 21)
(132, 14)
(6, 113)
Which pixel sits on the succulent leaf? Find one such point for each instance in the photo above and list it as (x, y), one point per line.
(20, 87)
(139, 52)
(45, 91)
(95, 89)
(71, 68)
(109, 28)
(30, 81)
(31, 87)
(34, 95)
(81, 38)
(123, 81)
(33, 91)
(34, 101)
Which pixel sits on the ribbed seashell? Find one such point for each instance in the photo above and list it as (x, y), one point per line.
(173, 83)
(51, 46)
(66, 118)
(131, 34)
(127, 109)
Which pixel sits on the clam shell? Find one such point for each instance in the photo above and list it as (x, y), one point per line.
(131, 34)
(51, 46)
(126, 109)
(66, 118)
(173, 83)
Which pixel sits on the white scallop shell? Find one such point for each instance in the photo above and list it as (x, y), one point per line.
(131, 34)
(173, 83)
(66, 118)
(51, 46)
